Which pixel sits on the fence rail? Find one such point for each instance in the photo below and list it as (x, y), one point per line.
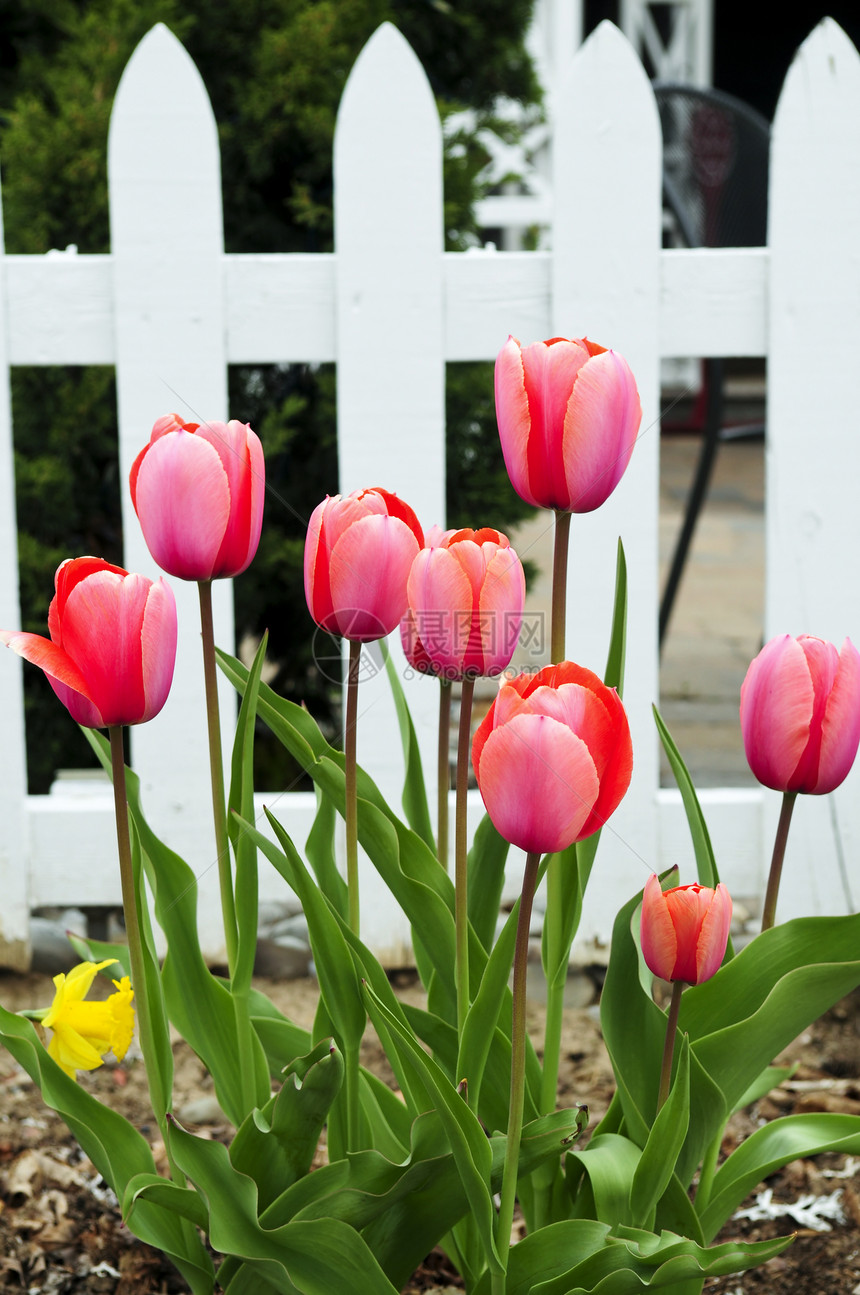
(169, 309)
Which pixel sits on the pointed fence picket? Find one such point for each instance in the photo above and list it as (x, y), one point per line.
(170, 310)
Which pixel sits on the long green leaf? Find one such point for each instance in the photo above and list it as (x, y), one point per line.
(769, 1148)
(660, 1153)
(198, 1004)
(314, 1257)
(116, 1149)
(706, 863)
(485, 875)
(240, 805)
(613, 676)
(467, 1139)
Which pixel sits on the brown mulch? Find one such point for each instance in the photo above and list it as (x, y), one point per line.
(60, 1229)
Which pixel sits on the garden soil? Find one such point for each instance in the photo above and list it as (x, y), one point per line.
(60, 1229)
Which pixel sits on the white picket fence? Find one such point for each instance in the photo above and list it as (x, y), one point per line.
(170, 310)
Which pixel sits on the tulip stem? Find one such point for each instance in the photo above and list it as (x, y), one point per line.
(461, 890)
(351, 789)
(669, 1045)
(216, 774)
(159, 1100)
(443, 772)
(768, 916)
(518, 1065)
(559, 586)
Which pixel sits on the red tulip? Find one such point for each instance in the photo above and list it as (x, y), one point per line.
(800, 713)
(358, 552)
(466, 597)
(113, 643)
(198, 492)
(568, 415)
(553, 757)
(684, 931)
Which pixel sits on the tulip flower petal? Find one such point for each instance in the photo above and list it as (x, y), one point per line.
(368, 570)
(840, 728)
(552, 372)
(537, 781)
(657, 931)
(600, 429)
(499, 613)
(514, 419)
(241, 455)
(440, 595)
(102, 628)
(714, 935)
(777, 700)
(158, 636)
(183, 504)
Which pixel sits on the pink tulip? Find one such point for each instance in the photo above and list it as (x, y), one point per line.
(112, 648)
(684, 931)
(358, 552)
(466, 598)
(568, 415)
(553, 757)
(800, 713)
(198, 492)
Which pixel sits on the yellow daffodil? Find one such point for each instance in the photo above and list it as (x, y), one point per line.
(84, 1032)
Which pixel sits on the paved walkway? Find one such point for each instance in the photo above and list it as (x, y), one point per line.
(716, 626)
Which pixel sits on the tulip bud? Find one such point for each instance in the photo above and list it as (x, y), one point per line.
(466, 598)
(198, 491)
(568, 415)
(358, 552)
(800, 714)
(684, 931)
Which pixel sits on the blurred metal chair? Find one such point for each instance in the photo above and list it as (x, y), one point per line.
(715, 177)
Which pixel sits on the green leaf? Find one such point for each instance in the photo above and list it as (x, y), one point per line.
(314, 1257)
(755, 1005)
(706, 863)
(770, 1077)
(198, 1004)
(275, 1145)
(478, 1028)
(414, 792)
(117, 1150)
(768, 1149)
(339, 984)
(485, 875)
(240, 805)
(320, 852)
(613, 676)
(465, 1135)
(660, 1153)
(153, 1029)
(89, 950)
(609, 1162)
(581, 1257)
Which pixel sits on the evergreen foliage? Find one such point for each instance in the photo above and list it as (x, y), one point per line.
(275, 71)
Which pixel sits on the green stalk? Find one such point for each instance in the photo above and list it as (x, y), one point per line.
(554, 878)
(351, 815)
(216, 773)
(461, 911)
(518, 1073)
(559, 586)
(768, 916)
(444, 776)
(159, 1100)
(669, 1045)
